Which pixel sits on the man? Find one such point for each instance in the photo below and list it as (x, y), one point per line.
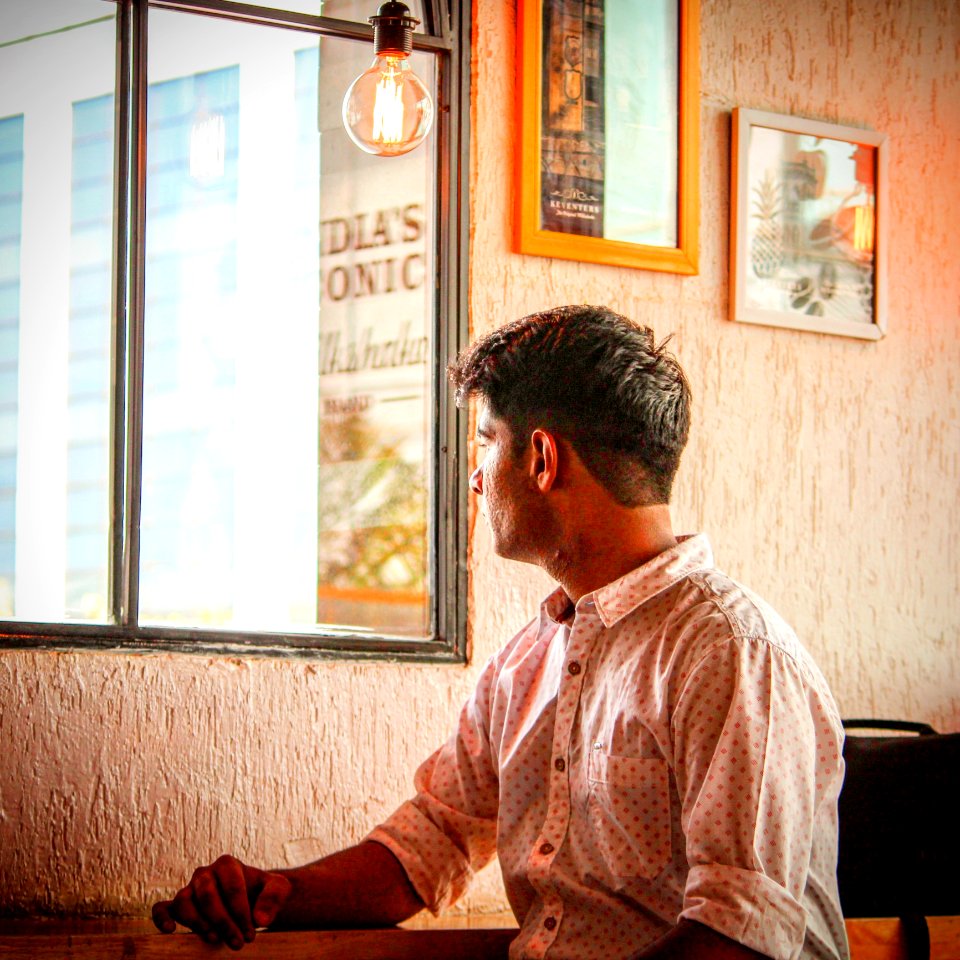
(655, 760)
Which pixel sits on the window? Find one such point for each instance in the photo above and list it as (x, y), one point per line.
(224, 422)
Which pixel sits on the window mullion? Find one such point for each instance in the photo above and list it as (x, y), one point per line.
(449, 564)
(129, 253)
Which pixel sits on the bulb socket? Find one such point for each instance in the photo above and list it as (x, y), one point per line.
(393, 29)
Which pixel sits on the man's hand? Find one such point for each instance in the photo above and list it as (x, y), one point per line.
(225, 902)
(362, 886)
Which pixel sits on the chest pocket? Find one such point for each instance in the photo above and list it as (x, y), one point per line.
(628, 809)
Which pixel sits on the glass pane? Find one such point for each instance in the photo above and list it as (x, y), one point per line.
(56, 208)
(287, 409)
(810, 233)
(358, 11)
(641, 108)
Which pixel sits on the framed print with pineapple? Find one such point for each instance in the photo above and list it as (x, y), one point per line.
(808, 213)
(609, 130)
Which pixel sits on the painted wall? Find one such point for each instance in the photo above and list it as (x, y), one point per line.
(825, 470)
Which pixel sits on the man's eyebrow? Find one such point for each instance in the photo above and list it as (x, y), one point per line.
(485, 434)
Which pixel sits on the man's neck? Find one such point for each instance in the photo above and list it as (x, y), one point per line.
(591, 556)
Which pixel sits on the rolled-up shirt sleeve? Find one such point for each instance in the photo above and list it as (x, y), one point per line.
(758, 765)
(448, 831)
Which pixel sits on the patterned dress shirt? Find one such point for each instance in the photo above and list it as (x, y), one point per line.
(667, 749)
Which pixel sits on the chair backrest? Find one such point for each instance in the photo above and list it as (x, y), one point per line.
(900, 822)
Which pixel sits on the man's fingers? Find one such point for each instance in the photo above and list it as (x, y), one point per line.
(181, 909)
(161, 916)
(184, 911)
(225, 901)
(273, 894)
(231, 877)
(210, 905)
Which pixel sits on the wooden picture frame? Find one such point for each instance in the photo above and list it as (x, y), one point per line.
(609, 111)
(808, 225)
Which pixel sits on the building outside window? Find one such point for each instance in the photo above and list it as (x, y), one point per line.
(224, 422)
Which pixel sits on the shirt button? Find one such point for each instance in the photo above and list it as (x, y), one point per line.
(550, 922)
(546, 848)
(560, 764)
(573, 668)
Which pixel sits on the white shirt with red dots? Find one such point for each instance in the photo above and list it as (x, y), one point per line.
(668, 749)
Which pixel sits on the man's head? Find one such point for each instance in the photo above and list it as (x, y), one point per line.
(596, 380)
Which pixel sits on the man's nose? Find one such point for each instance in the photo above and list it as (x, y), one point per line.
(476, 481)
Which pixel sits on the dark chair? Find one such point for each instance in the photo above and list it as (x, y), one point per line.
(900, 826)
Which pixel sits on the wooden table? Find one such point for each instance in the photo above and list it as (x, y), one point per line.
(128, 939)
(122, 939)
(883, 939)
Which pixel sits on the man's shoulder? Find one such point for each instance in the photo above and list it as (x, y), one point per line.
(746, 612)
(731, 613)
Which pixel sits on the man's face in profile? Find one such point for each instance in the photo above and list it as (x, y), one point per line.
(505, 489)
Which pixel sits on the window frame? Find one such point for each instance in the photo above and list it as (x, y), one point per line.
(447, 26)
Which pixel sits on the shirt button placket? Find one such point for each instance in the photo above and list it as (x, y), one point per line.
(558, 809)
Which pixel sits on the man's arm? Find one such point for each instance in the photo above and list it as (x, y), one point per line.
(362, 886)
(690, 940)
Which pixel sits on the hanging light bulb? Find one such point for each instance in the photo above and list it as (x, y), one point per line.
(387, 110)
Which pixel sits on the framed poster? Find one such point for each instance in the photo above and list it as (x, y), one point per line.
(808, 215)
(609, 132)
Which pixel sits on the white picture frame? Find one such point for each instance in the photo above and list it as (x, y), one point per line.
(808, 225)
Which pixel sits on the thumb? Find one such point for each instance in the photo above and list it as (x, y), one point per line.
(275, 888)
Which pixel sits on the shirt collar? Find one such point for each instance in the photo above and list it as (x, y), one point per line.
(556, 607)
(614, 601)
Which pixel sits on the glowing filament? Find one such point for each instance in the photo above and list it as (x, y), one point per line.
(388, 111)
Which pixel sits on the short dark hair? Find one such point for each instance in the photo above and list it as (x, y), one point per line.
(594, 378)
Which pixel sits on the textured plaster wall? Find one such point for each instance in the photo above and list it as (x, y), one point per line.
(825, 470)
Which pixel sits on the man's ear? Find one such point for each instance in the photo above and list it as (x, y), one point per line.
(545, 459)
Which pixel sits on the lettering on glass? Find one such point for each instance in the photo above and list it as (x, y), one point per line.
(374, 351)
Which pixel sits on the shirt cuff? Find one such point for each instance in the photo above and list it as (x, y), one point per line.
(748, 907)
(435, 867)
